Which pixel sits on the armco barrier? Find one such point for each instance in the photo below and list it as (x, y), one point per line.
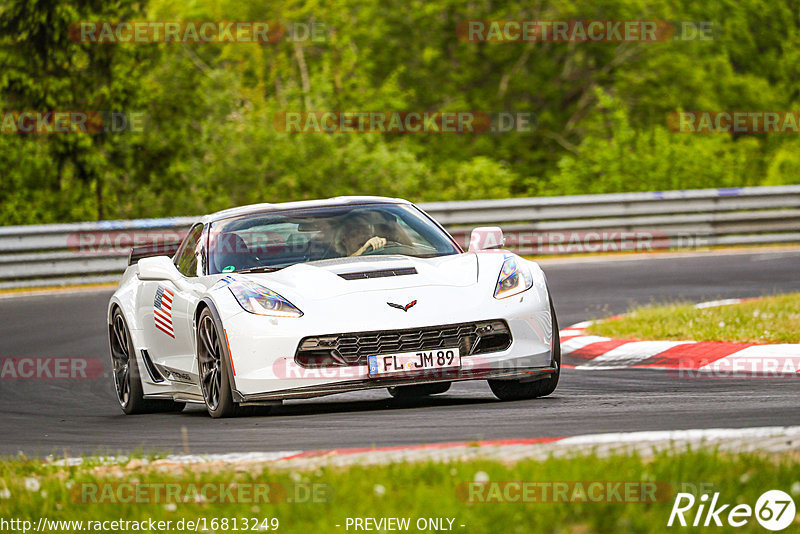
(65, 254)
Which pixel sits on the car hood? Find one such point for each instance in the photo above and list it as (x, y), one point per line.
(331, 278)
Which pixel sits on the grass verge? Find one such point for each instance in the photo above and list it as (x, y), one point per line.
(317, 501)
(765, 320)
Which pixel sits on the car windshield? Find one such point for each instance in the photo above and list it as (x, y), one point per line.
(273, 240)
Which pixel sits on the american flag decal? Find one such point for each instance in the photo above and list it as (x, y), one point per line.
(162, 310)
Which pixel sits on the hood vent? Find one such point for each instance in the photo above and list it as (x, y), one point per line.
(383, 273)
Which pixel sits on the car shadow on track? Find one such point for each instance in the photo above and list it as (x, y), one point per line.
(306, 408)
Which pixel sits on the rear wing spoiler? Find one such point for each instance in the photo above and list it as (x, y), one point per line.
(148, 251)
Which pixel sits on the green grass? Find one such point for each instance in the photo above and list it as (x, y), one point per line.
(766, 320)
(33, 489)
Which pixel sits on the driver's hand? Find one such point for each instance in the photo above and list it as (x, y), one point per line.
(373, 242)
(376, 242)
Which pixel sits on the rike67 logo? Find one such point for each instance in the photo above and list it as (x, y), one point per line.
(774, 510)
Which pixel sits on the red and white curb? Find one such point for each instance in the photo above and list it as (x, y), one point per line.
(760, 439)
(582, 351)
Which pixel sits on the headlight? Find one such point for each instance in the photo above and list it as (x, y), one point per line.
(257, 299)
(514, 279)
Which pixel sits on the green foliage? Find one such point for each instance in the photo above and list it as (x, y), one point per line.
(615, 157)
(210, 142)
(783, 168)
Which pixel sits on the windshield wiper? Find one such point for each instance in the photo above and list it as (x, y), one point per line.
(261, 269)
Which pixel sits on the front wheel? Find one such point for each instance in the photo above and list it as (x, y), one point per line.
(516, 390)
(215, 371)
(127, 381)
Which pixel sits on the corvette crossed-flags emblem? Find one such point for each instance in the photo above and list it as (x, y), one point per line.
(401, 307)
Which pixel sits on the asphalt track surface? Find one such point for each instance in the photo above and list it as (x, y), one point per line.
(40, 417)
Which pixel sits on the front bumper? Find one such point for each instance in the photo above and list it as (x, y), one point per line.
(307, 392)
(263, 348)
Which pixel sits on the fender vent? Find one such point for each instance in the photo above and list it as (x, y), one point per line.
(155, 376)
(383, 273)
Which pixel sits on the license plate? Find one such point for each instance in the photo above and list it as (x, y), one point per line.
(412, 362)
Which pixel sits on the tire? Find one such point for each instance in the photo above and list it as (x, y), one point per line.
(509, 390)
(125, 371)
(215, 371)
(417, 391)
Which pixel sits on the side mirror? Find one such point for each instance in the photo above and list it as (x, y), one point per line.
(486, 238)
(158, 268)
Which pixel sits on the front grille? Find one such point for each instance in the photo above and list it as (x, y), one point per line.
(353, 348)
(383, 273)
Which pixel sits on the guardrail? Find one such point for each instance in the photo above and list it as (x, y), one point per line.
(65, 254)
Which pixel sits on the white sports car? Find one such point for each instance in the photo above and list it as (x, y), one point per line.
(285, 301)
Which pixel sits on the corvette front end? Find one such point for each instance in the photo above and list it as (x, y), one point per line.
(327, 349)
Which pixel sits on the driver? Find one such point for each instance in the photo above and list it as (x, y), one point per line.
(357, 236)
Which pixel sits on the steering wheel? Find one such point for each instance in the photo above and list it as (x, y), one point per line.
(389, 244)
